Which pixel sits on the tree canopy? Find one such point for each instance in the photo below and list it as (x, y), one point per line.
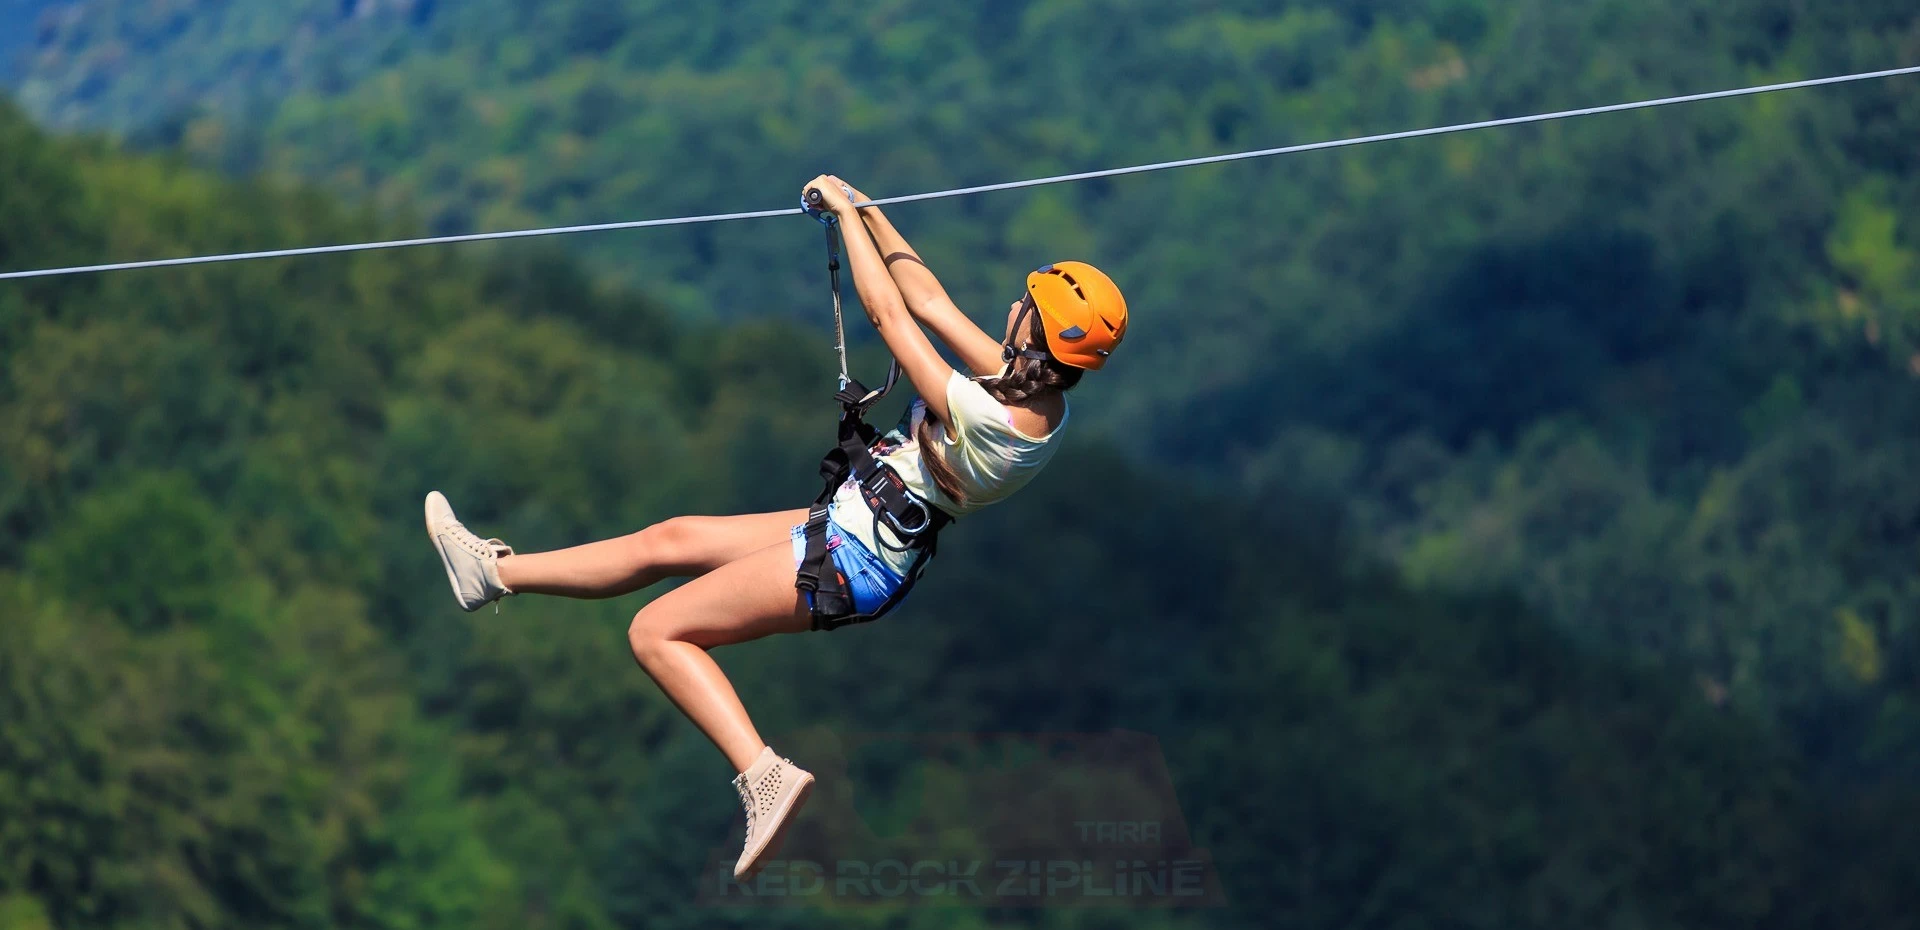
(1513, 529)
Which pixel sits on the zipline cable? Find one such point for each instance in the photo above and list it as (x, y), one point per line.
(963, 191)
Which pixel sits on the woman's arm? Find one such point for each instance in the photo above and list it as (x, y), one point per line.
(927, 300)
(885, 307)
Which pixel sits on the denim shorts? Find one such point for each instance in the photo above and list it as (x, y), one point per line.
(869, 580)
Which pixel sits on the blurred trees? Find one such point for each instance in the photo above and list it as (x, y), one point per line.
(1676, 286)
(1519, 527)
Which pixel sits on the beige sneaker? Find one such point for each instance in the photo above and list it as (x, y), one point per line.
(473, 564)
(772, 790)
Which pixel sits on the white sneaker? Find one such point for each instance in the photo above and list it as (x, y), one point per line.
(473, 564)
(772, 790)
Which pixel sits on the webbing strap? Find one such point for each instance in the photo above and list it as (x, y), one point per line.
(819, 577)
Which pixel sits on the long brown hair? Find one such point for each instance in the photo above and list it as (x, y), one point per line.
(1026, 381)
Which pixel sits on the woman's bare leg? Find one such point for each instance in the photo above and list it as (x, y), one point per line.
(742, 600)
(677, 548)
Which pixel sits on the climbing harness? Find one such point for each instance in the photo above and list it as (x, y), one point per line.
(914, 520)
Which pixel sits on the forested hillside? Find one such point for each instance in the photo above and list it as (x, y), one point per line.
(1515, 529)
(235, 693)
(1646, 369)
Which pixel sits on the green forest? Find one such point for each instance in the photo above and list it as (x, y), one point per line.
(1509, 529)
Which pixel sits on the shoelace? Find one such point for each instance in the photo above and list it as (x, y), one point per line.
(482, 547)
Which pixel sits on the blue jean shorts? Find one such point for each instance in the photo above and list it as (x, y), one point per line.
(869, 580)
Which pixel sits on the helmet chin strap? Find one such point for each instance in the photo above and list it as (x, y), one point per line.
(1009, 352)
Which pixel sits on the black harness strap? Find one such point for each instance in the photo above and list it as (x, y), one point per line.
(818, 575)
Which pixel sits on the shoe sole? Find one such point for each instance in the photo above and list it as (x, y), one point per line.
(453, 581)
(786, 815)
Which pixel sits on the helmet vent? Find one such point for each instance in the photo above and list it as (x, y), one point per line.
(1077, 292)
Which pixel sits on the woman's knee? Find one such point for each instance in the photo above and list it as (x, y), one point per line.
(672, 541)
(656, 626)
(648, 634)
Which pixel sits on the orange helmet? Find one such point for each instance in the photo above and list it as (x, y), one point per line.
(1081, 310)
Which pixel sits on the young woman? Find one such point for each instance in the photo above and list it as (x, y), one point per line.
(966, 442)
